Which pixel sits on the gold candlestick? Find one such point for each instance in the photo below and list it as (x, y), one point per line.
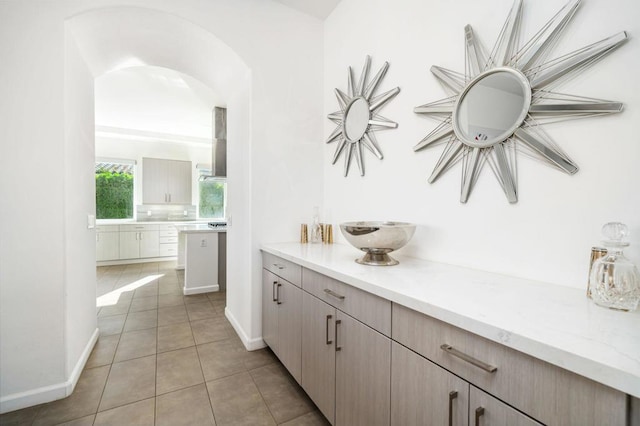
(304, 234)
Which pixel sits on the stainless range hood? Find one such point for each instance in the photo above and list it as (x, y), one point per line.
(219, 148)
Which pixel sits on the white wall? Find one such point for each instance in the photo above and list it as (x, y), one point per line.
(270, 70)
(80, 273)
(548, 234)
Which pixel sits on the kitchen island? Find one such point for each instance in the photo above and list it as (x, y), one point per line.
(198, 254)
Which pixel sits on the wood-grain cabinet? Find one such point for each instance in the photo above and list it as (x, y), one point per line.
(166, 181)
(360, 368)
(281, 312)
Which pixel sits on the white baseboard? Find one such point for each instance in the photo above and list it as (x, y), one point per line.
(53, 392)
(129, 261)
(197, 290)
(249, 344)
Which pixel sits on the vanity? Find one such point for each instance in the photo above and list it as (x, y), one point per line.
(428, 343)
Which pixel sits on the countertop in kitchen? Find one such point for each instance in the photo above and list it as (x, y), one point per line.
(554, 323)
(196, 228)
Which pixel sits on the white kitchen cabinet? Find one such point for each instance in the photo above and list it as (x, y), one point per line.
(107, 242)
(166, 181)
(139, 241)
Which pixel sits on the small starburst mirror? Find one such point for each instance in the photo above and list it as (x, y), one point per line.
(358, 117)
(497, 105)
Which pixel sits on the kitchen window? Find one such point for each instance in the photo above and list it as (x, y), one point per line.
(114, 188)
(212, 194)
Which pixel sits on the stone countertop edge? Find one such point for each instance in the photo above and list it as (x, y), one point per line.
(198, 228)
(554, 323)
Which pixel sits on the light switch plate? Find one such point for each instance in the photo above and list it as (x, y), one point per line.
(91, 221)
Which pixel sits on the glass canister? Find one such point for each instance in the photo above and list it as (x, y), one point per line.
(615, 280)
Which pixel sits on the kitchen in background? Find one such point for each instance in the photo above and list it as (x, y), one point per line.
(157, 166)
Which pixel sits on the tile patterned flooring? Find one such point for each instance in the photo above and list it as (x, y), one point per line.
(167, 359)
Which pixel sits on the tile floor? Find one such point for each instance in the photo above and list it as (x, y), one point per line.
(167, 359)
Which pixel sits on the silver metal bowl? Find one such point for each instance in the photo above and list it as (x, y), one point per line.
(377, 239)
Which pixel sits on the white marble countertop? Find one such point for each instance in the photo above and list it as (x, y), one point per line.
(197, 228)
(554, 323)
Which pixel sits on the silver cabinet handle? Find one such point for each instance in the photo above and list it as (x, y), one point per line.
(479, 413)
(452, 395)
(328, 342)
(278, 294)
(141, 235)
(278, 266)
(471, 360)
(338, 322)
(273, 292)
(334, 294)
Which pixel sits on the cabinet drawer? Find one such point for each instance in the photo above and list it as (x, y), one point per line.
(547, 393)
(168, 233)
(167, 227)
(168, 240)
(107, 228)
(366, 307)
(283, 268)
(168, 249)
(138, 227)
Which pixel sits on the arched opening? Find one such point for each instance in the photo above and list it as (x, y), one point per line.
(106, 40)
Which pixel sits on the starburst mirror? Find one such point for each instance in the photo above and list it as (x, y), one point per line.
(358, 117)
(497, 106)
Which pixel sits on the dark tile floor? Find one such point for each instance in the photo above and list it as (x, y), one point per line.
(167, 359)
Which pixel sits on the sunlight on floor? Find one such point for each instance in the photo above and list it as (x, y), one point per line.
(112, 297)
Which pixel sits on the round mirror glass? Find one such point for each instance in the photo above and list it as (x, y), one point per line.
(492, 107)
(356, 119)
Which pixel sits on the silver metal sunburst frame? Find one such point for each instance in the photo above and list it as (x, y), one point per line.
(358, 117)
(498, 104)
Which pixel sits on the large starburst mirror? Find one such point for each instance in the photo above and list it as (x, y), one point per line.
(496, 107)
(359, 117)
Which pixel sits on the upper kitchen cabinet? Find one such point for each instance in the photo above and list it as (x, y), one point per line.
(166, 181)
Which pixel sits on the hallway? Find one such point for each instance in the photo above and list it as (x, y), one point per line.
(167, 359)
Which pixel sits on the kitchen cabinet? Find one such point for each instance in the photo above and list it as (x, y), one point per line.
(139, 241)
(166, 181)
(426, 394)
(345, 363)
(168, 240)
(543, 392)
(107, 242)
(281, 315)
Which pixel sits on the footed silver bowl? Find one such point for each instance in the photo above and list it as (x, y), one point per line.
(377, 239)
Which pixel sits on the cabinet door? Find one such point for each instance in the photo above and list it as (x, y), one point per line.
(129, 245)
(149, 243)
(485, 410)
(107, 245)
(269, 309)
(289, 303)
(179, 178)
(363, 370)
(318, 354)
(154, 181)
(423, 393)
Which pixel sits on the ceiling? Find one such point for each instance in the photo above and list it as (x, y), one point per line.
(318, 8)
(154, 101)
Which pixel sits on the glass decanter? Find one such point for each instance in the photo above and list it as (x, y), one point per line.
(615, 280)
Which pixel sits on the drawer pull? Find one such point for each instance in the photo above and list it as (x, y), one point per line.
(471, 360)
(327, 330)
(338, 348)
(479, 413)
(273, 292)
(334, 294)
(278, 266)
(452, 395)
(278, 294)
